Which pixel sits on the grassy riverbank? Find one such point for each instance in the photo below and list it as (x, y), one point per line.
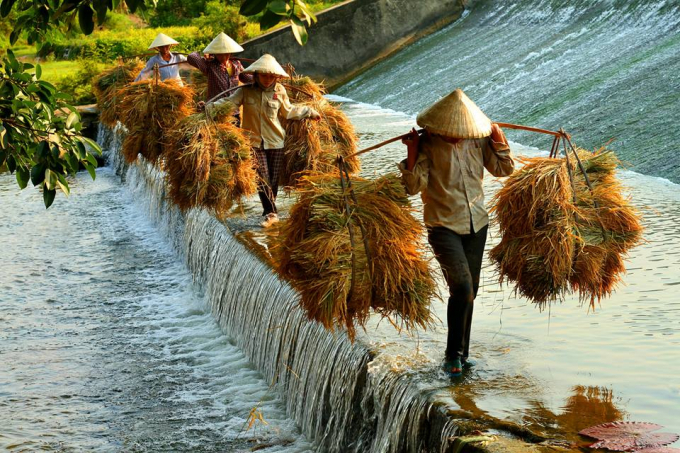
(70, 60)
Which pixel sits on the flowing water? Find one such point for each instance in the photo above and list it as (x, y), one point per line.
(602, 70)
(568, 367)
(105, 342)
(127, 326)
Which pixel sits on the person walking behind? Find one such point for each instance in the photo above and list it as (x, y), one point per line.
(263, 104)
(221, 70)
(162, 44)
(446, 164)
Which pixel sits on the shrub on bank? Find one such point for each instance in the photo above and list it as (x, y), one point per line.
(79, 84)
(106, 46)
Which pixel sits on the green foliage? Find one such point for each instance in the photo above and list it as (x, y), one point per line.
(271, 12)
(79, 84)
(118, 21)
(6, 27)
(37, 18)
(176, 12)
(219, 17)
(40, 137)
(108, 45)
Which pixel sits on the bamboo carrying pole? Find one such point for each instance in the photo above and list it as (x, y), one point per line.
(556, 134)
(214, 98)
(381, 144)
(180, 62)
(530, 129)
(560, 136)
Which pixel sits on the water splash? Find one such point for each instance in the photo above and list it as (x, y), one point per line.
(331, 390)
(601, 69)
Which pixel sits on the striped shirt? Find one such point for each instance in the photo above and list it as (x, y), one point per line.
(218, 76)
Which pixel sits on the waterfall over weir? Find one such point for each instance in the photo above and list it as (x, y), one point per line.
(338, 399)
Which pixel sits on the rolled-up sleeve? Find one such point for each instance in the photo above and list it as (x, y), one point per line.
(236, 98)
(498, 158)
(243, 78)
(416, 179)
(197, 61)
(143, 74)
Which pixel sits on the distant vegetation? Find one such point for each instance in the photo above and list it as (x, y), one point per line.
(50, 50)
(70, 60)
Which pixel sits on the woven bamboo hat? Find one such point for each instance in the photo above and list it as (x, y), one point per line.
(162, 40)
(455, 116)
(222, 44)
(266, 64)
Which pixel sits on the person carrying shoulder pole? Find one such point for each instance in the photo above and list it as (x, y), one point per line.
(167, 61)
(221, 70)
(263, 104)
(446, 164)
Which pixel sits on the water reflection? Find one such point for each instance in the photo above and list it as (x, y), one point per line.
(586, 406)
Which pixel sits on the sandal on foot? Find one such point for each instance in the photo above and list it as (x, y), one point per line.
(453, 367)
(468, 363)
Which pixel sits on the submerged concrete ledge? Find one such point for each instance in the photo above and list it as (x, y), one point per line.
(338, 392)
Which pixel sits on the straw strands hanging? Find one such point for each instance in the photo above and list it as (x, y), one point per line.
(106, 85)
(313, 145)
(558, 238)
(346, 254)
(208, 162)
(149, 110)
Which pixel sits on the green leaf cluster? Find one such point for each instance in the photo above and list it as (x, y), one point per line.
(37, 18)
(40, 138)
(296, 12)
(107, 46)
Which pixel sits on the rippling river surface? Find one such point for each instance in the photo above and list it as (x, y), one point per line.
(567, 367)
(106, 345)
(601, 69)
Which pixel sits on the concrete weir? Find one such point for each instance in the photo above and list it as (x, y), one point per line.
(335, 390)
(354, 35)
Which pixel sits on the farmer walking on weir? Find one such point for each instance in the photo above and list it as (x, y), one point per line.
(446, 164)
(167, 61)
(222, 71)
(264, 103)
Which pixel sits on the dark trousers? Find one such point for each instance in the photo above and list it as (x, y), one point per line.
(269, 166)
(460, 257)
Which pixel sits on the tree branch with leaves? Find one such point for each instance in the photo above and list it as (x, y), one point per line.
(40, 136)
(38, 17)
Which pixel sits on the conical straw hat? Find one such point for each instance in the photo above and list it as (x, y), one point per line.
(455, 116)
(222, 44)
(266, 64)
(162, 40)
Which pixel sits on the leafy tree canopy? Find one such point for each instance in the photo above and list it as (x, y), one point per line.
(40, 138)
(36, 18)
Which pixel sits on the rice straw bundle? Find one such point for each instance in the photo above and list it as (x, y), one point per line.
(208, 162)
(302, 89)
(313, 145)
(199, 82)
(554, 239)
(315, 251)
(106, 85)
(149, 110)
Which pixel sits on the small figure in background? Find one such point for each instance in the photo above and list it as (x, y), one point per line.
(162, 44)
(222, 71)
(446, 164)
(263, 104)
